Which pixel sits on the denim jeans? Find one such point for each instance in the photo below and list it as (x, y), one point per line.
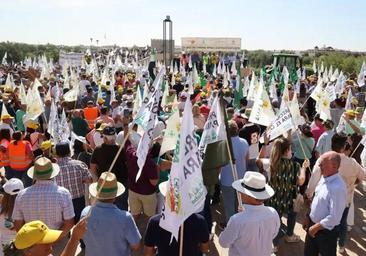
(291, 221)
(229, 200)
(343, 228)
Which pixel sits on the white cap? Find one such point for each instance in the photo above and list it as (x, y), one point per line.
(13, 186)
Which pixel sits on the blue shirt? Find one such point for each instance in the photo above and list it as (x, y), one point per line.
(110, 232)
(240, 148)
(329, 201)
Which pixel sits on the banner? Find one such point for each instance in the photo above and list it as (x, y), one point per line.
(186, 192)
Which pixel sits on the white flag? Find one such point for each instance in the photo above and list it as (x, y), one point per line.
(4, 62)
(35, 105)
(214, 129)
(349, 100)
(147, 120)
(314, 67)
(185, 190)
(64, 129)
(171, 133)
(281, 124)
(262, 112)
(253, 88)
(72, 94)
(361, 75)
(53, 120)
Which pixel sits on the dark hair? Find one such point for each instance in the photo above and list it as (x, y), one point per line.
(339, 141)
(7, 204)
(62, 149)
(78, 147)
(103, 110)
(5, 134)
(17, 136)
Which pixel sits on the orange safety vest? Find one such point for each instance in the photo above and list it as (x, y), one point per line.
(18, 157)
(91, 115)
(4, 156)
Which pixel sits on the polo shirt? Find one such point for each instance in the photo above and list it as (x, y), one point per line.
(110, 231)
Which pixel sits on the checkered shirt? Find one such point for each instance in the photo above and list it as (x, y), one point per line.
(44, 201)
(72, 175)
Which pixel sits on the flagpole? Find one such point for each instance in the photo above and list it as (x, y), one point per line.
(108, 172)
(230, 151)
(358, 145)
(181, 240)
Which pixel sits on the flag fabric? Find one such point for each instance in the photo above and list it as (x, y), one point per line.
(185, 190)
(171, 132)
(293, 106)
(214, 128)
(3, 61)
(238, 92)
(349, 100)
(262, 112)
(147, 120)
(35, 105)
(281, 124)
(314, 67)
(72, 94)
(361, 75)
(64, 129)
(253, 88)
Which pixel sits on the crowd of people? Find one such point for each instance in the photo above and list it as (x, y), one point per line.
(82, 178)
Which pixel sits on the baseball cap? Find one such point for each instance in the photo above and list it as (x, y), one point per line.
(13, 186)
(35, 232)
(108, 130)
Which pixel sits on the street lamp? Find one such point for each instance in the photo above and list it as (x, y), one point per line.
(167, 46)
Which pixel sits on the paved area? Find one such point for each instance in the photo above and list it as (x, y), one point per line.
(355, 246)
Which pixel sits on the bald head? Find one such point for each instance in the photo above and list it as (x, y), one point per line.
(329, 163)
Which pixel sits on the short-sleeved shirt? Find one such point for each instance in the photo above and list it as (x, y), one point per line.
(241, 149)
(103, 157)
(284, 181)
(308, 144)
(149, 172)
(19, 120)
(44, 201)
(72, 175)
(80, 126)
(195, 233)
(111, 231)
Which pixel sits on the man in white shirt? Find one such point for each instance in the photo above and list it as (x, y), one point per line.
(350, 171)
(251, 231)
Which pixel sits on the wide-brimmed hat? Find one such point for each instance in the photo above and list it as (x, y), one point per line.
(35, 232)
(111, 188)
(254, 185)
(6, 116)
(43, 169)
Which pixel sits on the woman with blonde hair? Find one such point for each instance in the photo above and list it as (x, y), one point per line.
(286, 177)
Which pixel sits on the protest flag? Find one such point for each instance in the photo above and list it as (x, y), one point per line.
(147, 120)
(186, 192)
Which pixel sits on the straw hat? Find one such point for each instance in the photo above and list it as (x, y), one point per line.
(43, 169)
(254, 185)
(111, 188)
(6, 117)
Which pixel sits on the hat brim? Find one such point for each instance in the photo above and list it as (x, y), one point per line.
(93, 191)
(163, 187)
(51, 236)
(55, 172)
(267, 193)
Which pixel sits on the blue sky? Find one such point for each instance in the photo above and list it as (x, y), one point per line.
(262, 24)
